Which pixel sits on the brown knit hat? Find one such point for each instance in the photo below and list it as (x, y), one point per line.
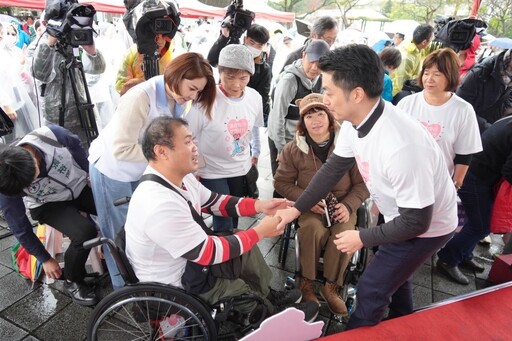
(311, 101)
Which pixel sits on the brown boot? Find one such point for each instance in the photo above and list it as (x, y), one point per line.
(335, 303)
(308, 290)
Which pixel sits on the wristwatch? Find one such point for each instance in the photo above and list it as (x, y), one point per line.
(457, 186)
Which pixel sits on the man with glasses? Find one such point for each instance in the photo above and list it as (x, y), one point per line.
(324, 28)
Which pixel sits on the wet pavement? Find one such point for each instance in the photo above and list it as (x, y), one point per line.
(45, 312)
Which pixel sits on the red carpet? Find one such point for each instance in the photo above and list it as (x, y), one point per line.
(485, 316)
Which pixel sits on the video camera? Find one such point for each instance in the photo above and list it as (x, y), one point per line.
(152, 17)
(241, 20)
(457, 34)
(70, 22)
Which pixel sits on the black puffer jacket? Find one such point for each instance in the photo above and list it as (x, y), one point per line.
(483, 87)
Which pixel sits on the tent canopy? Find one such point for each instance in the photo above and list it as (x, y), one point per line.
(188, 8)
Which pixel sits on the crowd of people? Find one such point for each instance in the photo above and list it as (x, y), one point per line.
(402, 127)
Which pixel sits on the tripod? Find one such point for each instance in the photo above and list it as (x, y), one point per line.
(150, 65)
(85, 108)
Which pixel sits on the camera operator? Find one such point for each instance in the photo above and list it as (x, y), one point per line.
(49, 67)
(131, 67)
(256, 39)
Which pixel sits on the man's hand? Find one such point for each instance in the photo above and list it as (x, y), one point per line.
(287, 216)
(224, 30)
(90, 49)
(52, 269)
(342, 214)
(267, 227)
(348, 241)
(52, 41)
(254, 161)
(269, 207)
(10, 112)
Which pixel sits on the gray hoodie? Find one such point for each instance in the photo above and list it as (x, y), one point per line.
(280, 129)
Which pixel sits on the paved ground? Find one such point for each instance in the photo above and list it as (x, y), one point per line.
(44, 312)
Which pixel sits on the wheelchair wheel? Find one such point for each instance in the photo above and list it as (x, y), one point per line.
(354, 270)
(150, 312)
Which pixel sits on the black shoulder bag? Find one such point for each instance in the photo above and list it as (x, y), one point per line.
(198, 279)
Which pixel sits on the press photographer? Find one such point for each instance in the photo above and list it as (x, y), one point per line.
(64, 53)
(236, 22)
(152, 25)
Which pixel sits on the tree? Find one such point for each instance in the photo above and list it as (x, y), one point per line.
(498, 14)
(419, 10)
(300, 6)
(344, 6)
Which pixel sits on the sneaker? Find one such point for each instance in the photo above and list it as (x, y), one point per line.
(486, 241)
(310, 309)
(286, 297)
(307, 288)
(452, 273)
(330, 293)
(472, 264)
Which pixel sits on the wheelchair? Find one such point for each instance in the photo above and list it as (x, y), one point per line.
(155, 311)
(367, 216)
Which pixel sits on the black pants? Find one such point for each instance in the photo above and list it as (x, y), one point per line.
(65, 217)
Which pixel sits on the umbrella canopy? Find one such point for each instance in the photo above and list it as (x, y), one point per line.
(8, 18)
(502, 43)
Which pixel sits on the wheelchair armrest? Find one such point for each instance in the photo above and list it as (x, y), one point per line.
(367, 214)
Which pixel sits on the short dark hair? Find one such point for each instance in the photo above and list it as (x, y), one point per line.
(391, 57)
(447, 63)
(422, 32)
(258, 33)
(301, 125)
(160, 131)
(17, 170)
(401, 35)
(323, 24)
(355, 65)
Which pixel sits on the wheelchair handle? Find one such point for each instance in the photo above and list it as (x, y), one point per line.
(121, 201)
(89, 244)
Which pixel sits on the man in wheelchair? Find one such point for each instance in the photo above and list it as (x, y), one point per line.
(164, 239)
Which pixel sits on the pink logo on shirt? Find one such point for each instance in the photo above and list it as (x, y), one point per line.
(364, 168)
(238, 128)
(434, 129)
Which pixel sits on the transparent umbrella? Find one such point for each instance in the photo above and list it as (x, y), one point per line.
(501, 43)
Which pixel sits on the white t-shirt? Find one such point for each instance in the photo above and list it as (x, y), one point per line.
(224, 141)
(453, 125)
(160, 229)
(402, 167)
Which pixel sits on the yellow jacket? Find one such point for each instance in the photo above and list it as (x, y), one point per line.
(132, 66)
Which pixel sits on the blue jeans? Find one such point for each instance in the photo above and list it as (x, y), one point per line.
(111, 218)
(232, 186)
(477, 199)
